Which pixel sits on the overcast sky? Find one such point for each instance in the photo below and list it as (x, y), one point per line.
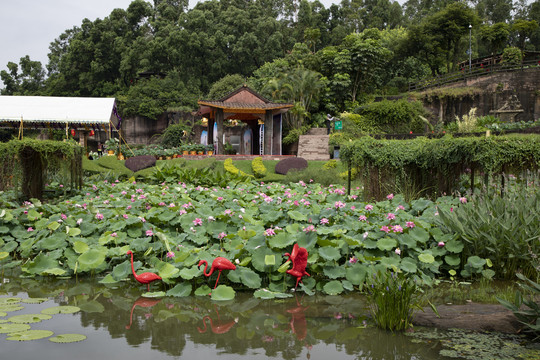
(27, 27)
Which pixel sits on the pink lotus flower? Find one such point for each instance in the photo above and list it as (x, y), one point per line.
(324, 221)
(440, 244)
(339, 204)
(353, 260)
(99, 216)
(30, 229)
(368, 207)
(197, 222)
(182, 212)
(410, 224)
(390, 216)
(390, 196)
(397, 229)
(63, 216)
(362, 218)
(463, 200)
(269, 232)
(397, 251)
(220, 198)
(309, 228)
(114, 234)
(221, 235)
(149, 233)
(385, 229)
(125, 216)
(170, 255)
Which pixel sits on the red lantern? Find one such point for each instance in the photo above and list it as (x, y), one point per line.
(72, 132)
(91, 132)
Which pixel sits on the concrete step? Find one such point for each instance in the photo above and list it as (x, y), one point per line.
(313, 147)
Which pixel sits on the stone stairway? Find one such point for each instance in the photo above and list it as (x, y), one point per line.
(314, 145)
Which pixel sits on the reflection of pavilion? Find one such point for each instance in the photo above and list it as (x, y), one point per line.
(262, 116)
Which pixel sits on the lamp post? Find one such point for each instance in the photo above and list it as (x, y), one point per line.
(470, 47)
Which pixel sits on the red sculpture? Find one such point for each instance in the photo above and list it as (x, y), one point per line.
(299, 260)
(144, 278)
(219, 263)
(142, 302)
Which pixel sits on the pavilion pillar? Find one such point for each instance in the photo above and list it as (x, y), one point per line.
(219, 121)
(83, 140)
(268, 132)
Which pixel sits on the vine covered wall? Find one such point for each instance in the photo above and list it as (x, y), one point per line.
(26, 164)
(434, 166)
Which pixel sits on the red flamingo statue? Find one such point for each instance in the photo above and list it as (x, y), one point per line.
(298, 257)
(219, 263)
(142, 302)
(144, 278)
(219, 328)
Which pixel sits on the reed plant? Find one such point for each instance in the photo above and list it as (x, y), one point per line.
(392, 299)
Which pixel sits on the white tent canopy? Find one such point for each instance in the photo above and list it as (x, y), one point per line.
(48, 109)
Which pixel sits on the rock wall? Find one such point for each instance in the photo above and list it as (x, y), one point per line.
(495, 91)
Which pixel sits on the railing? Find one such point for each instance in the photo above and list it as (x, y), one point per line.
(475, 72)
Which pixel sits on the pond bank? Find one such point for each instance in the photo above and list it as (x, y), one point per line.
(470, 316)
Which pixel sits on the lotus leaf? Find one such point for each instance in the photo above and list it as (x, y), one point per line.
(10, 300)
(180, 290)
(452, 260)
(297, 215)
(29, 318)
(29, 335)
(167, 271)
(108, 280)
(67, 338)
(41, 263)
(386, 243)
(356, 274)
(11, 328)
(267, 294)
(91, 306)
(408, 265)
(426, 258)
(249, 277)
(281, 240)
(154, 294)
(419, 235)
(121, 271)
(61, 310)
(4, 229)
(203, 291)
(329, 253)
(80, 247)
(347, 285)
(73, 231)
(223, 293)
(3, 255)
(9, 246)
(454, 246)
(476, 262)
(190, 273)
(10, 307)
(334, 272)
(91, 259)
(334, 287)
(270, 260)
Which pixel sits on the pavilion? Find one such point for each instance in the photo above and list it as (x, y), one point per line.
(262, 117)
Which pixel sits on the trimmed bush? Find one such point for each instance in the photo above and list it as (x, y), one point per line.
(285, 165)
(229, 167)
(137, 163)
(258, 167)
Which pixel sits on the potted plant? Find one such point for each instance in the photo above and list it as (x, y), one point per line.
(200, 149)
(192, 149)
(185, 149)
(210, 149)
(111, 145)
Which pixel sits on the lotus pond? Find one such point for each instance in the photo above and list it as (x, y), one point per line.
(117, 323)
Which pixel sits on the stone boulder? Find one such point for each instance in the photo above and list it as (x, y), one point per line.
(287, 164)
(137, 163)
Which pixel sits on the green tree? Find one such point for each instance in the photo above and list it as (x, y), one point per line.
(495, 36)
(225, 85)
(524, 29)
(27, 78)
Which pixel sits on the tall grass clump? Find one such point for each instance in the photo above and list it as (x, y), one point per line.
(468, 122)
(392, 299)
(501, 229)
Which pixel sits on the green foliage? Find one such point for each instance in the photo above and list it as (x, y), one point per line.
(467, 123)
(435, 165)
(401, 116)
(196, 176)
(499, 229)
(512, 55)
(259, 170)
(527, 310)
(225, 85)
(174, 135)
(392, 299)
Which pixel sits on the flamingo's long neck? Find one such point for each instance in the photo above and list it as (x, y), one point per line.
(205, 267)
(133, 268)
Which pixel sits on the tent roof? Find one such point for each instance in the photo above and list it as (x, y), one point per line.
(48, 109)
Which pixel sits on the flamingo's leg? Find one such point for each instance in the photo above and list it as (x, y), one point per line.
(297, 280)
(148, 287)
(215, 286)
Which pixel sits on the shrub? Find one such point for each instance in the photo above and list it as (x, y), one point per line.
(287, 164)
(325, 178)
(137, 163)
(229, 167)
(468, 122)
(173, 135)
(258, 167)
(330, 164)
(399, 116)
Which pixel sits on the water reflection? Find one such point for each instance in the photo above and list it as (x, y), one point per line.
(291, 328)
